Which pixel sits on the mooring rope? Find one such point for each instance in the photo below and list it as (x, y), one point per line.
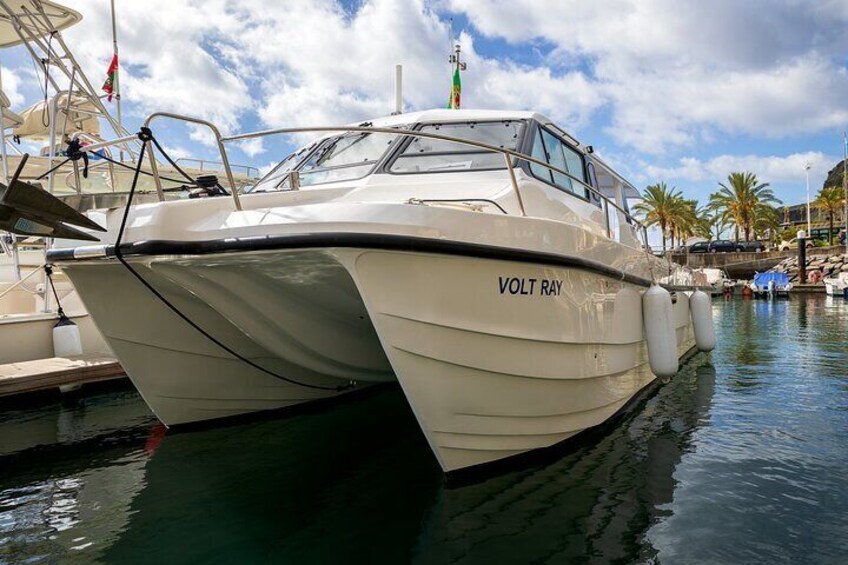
(146, 136)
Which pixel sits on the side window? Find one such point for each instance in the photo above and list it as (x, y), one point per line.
(556, 157)
(593, 180)
(539, 153)
(550, 148)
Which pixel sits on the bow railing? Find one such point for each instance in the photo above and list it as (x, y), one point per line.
(508, 154)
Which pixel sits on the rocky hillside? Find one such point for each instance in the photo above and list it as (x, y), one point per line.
(834, 177)
(828, 265)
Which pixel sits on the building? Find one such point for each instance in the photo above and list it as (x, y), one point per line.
(795, 217)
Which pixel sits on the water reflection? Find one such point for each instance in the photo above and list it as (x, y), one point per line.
(730, 461)
(597, 502)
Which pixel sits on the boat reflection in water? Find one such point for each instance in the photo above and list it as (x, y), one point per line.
(597, 502)
(273, 490)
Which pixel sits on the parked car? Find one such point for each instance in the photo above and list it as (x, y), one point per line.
(793, 244)
(724, 246)
(753, 246)
(699, 247)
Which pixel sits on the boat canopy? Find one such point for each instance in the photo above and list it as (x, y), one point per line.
(40, 17)
(762, 279)
(78, 118)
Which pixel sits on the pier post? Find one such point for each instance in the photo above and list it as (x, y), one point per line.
(802, 257)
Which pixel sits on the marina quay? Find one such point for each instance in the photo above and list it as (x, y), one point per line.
(405, 281)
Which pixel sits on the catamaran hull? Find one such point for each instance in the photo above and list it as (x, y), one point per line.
(296, 315)
(496, 357)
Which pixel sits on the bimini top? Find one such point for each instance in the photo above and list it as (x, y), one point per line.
(35, 15)
(762, 279)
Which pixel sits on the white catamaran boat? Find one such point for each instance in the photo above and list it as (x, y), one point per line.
(485, 260)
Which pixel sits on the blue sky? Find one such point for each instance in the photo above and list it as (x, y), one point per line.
(666, 90)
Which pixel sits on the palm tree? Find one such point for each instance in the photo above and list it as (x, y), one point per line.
(767, 221)
(658, 206)
(739, 201)
(684, 219)
(830, 200)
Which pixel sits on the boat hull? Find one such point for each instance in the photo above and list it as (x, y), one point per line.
(494, 368)
(297, 315)
(496, 357)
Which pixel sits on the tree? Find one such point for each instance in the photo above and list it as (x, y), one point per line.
(830, 200)
(658, 206)
(740, 199)
(767, 222)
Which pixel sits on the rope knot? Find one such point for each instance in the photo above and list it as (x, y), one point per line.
(144, 134)
(75, 153)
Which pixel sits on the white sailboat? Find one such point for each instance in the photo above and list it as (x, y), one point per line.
(484, 260)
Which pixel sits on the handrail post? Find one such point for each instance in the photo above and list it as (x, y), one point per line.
(155, 170)
(77, 178)
(224, 159)
(607, 222)
(512, 179)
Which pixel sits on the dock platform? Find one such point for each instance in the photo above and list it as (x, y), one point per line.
(43, 374)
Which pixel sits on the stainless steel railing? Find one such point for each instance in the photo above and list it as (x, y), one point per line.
(203, 163)
(508, 154)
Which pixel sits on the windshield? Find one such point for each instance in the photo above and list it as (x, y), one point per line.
(278, 178)
(422, 155)
(345, 157)
(342, 157)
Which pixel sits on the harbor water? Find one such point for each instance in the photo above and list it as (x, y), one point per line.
(740, 458)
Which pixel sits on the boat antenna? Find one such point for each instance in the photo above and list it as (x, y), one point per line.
(117, 81)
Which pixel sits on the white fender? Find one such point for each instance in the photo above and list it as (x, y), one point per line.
(701, 309)
(66, 343)
(659, 331)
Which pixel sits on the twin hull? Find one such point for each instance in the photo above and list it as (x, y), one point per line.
(495, 357)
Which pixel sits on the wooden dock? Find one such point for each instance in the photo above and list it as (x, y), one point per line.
(43, 374)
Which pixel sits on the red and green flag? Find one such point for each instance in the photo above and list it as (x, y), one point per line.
(456, 91)
(111, 78)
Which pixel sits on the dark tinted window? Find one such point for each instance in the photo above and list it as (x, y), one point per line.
(551, 149)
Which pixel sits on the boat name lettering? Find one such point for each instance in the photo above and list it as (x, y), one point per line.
(521, 286)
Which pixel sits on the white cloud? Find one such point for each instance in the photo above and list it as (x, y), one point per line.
(680, 72)
(671, 73)
(772, 169)
(11, 88)
(252, 147)
(168, 56)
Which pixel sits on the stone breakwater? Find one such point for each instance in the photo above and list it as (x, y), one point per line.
(826, 265)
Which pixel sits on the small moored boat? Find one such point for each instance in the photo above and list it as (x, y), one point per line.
(771, 285)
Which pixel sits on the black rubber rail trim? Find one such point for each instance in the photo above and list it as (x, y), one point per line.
(390, 242)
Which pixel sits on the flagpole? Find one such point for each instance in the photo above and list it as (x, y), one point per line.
(117, 81)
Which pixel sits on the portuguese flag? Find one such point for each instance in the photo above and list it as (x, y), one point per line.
(456, 91)
(111, 78)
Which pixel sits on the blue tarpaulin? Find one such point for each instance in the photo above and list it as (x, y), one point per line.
(761, 280)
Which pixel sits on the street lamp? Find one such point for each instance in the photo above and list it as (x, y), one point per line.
(807, 166)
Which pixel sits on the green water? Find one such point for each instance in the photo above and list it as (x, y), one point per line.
(743, 457)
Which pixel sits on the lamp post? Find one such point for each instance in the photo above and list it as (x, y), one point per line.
(807, 166)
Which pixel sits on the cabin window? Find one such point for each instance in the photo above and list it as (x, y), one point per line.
(278, 178)
(344, 157)
(551, 149)
(424, 155)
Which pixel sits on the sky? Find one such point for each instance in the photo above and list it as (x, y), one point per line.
(681, 91)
